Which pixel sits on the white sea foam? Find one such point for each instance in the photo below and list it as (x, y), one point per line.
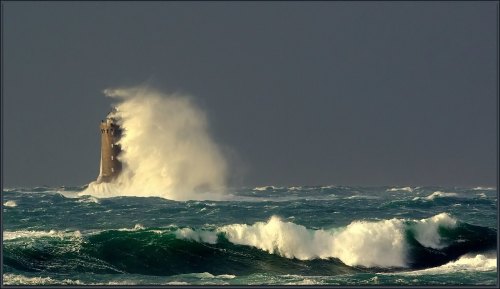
(101, 190)
(282, 198)
(198, 236)
(482, 195)
(305, 281)
(361, 197)
(405, 189)
(484, 189)
(437, 194)
(117, 283)
(167, 150)
(89, 200)
(177, 283)
(137, 227)
(10, 204)
(207, 275)
(264, 188)
(328, 187)
(68, 194)
(11, 235)
(226, 276)
(426, 230)
(469, 262)
(15, 279)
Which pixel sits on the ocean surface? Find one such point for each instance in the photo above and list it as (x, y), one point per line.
(328, 235)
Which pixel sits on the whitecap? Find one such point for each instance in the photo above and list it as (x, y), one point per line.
(482, 195)
(484, 189)
(89, 200)
(264, 188)
(11, 235)
(15, 279)
(136, 227)
(437, 194)
(10, 204)
(361, 197)
(305, 281)
(405, 189)
(469, 262)
(427, 230)
(177, 283)
(198, 236)
(328, 187)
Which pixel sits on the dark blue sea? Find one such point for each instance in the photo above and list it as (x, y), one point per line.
(328, 235)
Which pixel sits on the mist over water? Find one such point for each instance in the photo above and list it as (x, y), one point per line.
(167, 150)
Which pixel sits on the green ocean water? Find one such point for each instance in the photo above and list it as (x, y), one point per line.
(331, 235)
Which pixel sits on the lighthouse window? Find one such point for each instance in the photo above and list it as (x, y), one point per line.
(112, 157)
(112, 170)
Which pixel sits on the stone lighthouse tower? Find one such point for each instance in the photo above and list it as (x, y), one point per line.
(110, 165)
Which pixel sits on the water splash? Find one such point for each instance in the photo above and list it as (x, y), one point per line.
(167, 150)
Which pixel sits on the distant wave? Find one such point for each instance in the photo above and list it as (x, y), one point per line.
(361, 197)
(484, 189)
(265, 188)
(482, 195)
(10, 204)
(407, 189)
(437, 194)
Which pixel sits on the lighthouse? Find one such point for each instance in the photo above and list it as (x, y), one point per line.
(110, 167)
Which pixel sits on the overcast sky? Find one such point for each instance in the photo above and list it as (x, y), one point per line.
(348, 93)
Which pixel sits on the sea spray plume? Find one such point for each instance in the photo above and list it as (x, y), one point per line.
(166, 148)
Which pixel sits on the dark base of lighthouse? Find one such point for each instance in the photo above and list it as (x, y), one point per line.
(110, 167)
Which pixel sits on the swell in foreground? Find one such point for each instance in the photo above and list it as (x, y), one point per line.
(269, 235)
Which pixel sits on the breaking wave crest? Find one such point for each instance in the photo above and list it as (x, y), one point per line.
(241, 248)
(468, 262)
(10, 204)
(353, 245)
(403, 189)
(436, 195)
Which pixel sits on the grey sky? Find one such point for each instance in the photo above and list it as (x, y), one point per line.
(387, 93)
